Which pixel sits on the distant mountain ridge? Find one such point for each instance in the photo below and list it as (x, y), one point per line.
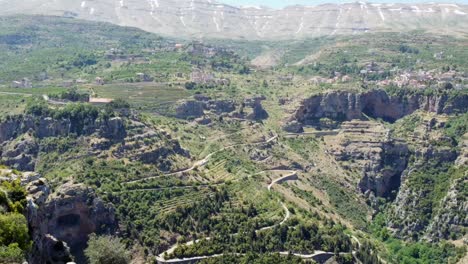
(210, 19)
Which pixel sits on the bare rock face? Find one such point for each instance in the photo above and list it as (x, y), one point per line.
(452, 217)
(149, 145)
(293, 127)
(367, 147)
(43, 127)
(462, 159)
(113, 128)
(20, 154)
(60, 222)
(221, 106)
(195, 109)
(9, 129)
(20, 136)
(48, 127)
(344, 106)
(189, 109)
(259, 113)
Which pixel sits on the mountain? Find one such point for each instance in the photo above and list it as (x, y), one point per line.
(210, 19)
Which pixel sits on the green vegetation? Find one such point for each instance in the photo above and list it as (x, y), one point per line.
(226, 199)
(431, 181)
(106, 250)
(254, 258)
(72, 95)
(457, 127)
(304, 237)
(413, 252)
(14, 236)
(345, 204)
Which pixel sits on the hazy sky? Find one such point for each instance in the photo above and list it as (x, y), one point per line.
(282, 3)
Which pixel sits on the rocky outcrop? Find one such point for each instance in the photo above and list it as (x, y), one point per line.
(259, 113)
(20, 153)
(195, 109)
(412, 214)
(452, 217)
(344, 106)
(221, 106)
(189, 109)
(367, 147)
(43, 127)
(293, 127)
(20, 136)
(60, 222)
(113, 128)
(150, 146)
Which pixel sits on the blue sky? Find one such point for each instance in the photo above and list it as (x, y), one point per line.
(283, 3)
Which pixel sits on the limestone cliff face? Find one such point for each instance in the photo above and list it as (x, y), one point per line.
(344, 106)
(250, 108)
(20, 136)
(452, 217)
(367, 147)
(412, 216)
(21, 153)
(61, 221)
(189, 109)
(43, 127)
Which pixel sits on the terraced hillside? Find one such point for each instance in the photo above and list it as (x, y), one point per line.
(116, 142)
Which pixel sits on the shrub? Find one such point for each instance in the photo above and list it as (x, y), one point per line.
(106, 250)
(14, 230)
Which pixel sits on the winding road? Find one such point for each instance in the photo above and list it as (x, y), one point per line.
(291, 175)
(203, 161)
(317, 255)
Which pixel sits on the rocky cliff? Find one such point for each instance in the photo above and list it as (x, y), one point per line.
(339, 106)
(452, 217)
(430, 203)
(44, 126)
(367, 148)
(61, 221)
(20, 135)
(250, 108)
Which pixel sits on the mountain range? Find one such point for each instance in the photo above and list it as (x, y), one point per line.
(210, 19)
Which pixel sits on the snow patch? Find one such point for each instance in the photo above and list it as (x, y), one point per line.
(452, 5)
(415, 9)
(251, 7)
(215, 21)
(83, 4)
(301, 26)
(381, 14)
(91, 11)
(337, 22)
(182, 21)
(458, 12)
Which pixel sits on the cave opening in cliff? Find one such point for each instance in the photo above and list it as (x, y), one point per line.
(69, 220)
(371, 110)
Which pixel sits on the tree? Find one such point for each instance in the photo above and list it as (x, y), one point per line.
(14, 238)
(106, 250)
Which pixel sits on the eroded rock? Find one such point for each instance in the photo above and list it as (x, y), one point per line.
(61, 221)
